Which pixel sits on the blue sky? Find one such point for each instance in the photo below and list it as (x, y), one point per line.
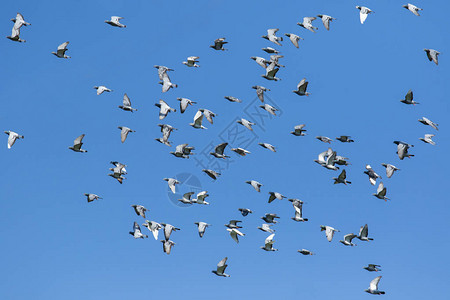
(55, 245)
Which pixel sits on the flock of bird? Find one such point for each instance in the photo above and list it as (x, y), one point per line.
(327, 159)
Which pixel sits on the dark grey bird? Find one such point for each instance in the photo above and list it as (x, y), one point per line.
(409, 98)
(293, 38)
(299, 131)
(271, 36)
(305, 252)
(373, 287)
(245, 211)
(221, 266)
(307, 24)
(183, 151)
(115, 21)
(136, 233)
(402, 149)
(432, 55)
(218, 151)
(202, 227)
(260, 91)
(184, 103)
(381, 192)
(233, 99)
(301, 88)
(213, 174)
(92, 197)
(167, 246)
(326, 20)
(19, 21)
(372, 175)
(426, 121)
(13, 137)
(139, 210)
(270, 50)
(218, 44)
(168, 229)
(61, 51)
(77, 143)
(127, 104)
(364, 233)
(342, 178)
(345, 139)
(390, 169)
(255, 184)
(270, 218)
(372, 268)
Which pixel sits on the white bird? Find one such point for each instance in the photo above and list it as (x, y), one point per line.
(294, 38)
(412, 8)
(124, 131)
(208, 115)
(202, 227)
(136, 233)
(246, 123)
(428, 139)
(427, 121)
(402, 149)
(255, 184)
(218, 44)
(187, 198)
(323, 157)
(18, 23)
(100, 89)
(184, 103)
(298, 207)
(432, 55)
(301, 88)
(168, 230)
(221, 266)
(347, 241)
(269, 108)
(162, 71)
(154, 227)
(240, 151)
(268, 243)
(381, 192)
(268, 146)
(201, 198)
(198, 118)
(166, 83)
(92, 197)
(329, 231)
(373, 287)
(191, 61)
(331, 161)
(234, 233)
(61, 51)
(261, 61)
(172, 182)
(363, 13)
(271, 36)
(364, 233)
(372, 175)
(305, 252)
(390, 169)
(139, 210)
(326, 20)
(275, 195)
(260, 91)
(77, 143)
(126, 103)
(115, 21)
(299, 131)
(164, 109)
(167, 246)
(307, 24)
(12, 137)
(266, 228)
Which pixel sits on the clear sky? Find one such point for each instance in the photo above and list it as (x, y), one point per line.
(55, 245)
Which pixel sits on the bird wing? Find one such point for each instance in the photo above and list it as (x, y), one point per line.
(329, 231)
(343, 175)
(409, 95)
(198, 118)
(362, 16)
(78, 141)
(126, 100)
(374, 283)
(63, 47)
(222, 265)
(272, 31)
(220, 148)
(269, 240)
(364, 231)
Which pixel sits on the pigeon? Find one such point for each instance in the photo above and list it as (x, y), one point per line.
(166, 131)
(233, 224)
(305, 252)
(261, 61)
(348, 239)
(201, 228)
(342, 178)
(172, 182)
(402, 149)
(301, 88)
(373, 287)
(372, 175)
(12, 137)
(120, 166)
(260, 91)
(240, 151)
(271, 71)
(19, 21)
(275, 195)
(268, 243)
(77, 143)
(412, 8)
(198, 119)
(191, 61)
(245, 211)
(270, 218)
(139, 210)
(61, 51)
(184, 103)
(298, 206)
(100, 89)
(329, 231)
(115, 21)
(270, 50)
(117, 174)
(167, 246)
(372, 268)
(255, 184)
(427, 121)
(234, 233)
(299, 131)
(321, 159)
(187, 198)
(266, 228)
(218, 151)
(221, 266)
(272, 37)
(363, 13)
(153, 227)
(162, 71)
(218, 44)
(183, 151)
(124, 131)
(428, 139)
(268, 146)
(409, 99)
(164, 109)
(381, 192)
(324, 139)
(166, 83)
(326, 20)
(126, 103)
(294, 38)
(201, 198)
(136, 233)
(345, 139)
(363, 234)
(92, 197)
(213, 174)
(331, 160)
(233, 99)
(342, 161)
(307, 24)
(208, 115)
(390, 169)
(269, 108)
(432, 55)
(246, 123)
(168, 230)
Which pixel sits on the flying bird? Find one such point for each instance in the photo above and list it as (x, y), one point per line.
(271, 36)
(198, 119)
(164, 109)
(168, 229)
(92, 197)
(345, 139)
(183, 151)
(221, 266)
(342, 178)
(77, 143)
(301, 88)
(136, 233)
(270, 218)
(167, 246)
(329, 231)
(19, 21)
(234, 233)
(124, 131)
(115, 21)
(218, 44)
(432, 55)
(12, 137)
(268, 243)
(364, 233)
(372, 268)
(218, 151)
(293, 38)
(271, 72)
(172, 182)
(100, 89)
(154, 227)
(409, 98)
(324, 139)
(270, 50)
(261, 61)
(187, 198)
(275, 195)
(255, 184)
(390, 169)
(381, 192)
(233, 99)
(126, 103)
(184, 103)
(307, 24)
(298, 207)
(372, 175)
(61, 51)
(209, 115)
(245, 211)
(246, 123)
(299, 131)
(266, 228)
(347, 241)
(260, 91)
(402, 149)
(191, 61)
(373, 287)
(428, 139)
(139, 210)
(213, 174)
(240, 151)
(363, 13)
(269, 108)
(268, 146)
(305, 252)
(426, 121)
(326, 20)
(233, 224)
(201, 198)
(412, 8)
(202, 227)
